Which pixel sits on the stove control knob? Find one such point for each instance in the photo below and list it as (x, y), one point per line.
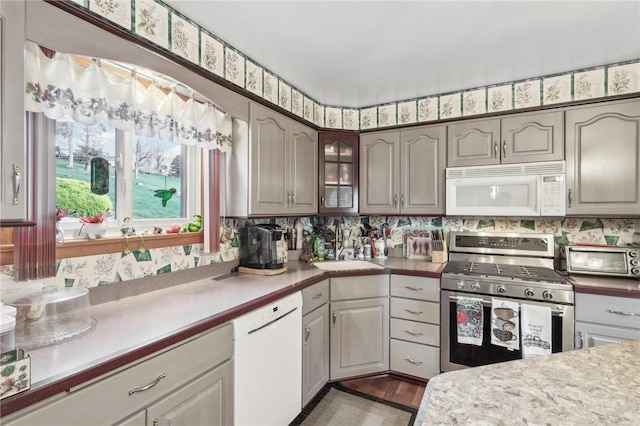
(547, 295)
(460, 285)
(502, 289)
(475, 286)
(529, 292)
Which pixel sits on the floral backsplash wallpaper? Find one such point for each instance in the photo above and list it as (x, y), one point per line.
(91, 271)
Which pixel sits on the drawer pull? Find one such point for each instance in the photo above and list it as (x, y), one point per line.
(316, 296)
(307, 332)
(413, 288)
(411, 311)
(413, 333)
(413, 361)
(629, 314)
(149, 386)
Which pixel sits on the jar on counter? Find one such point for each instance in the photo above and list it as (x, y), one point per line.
(7, 333)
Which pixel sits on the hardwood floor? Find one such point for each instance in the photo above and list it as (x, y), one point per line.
(390, 388)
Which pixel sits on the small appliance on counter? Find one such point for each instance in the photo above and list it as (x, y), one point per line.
(258, 249)
(605, 260)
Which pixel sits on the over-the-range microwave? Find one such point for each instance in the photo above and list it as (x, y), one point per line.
(526, 189)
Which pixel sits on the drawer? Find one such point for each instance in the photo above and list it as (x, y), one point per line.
(609, 310)
(418, 332)
(361, 287)
(415, 310)
(108, 400)
(414, 359)
(422, 288)
(315, 296)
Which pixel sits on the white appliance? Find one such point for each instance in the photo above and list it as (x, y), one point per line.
(268, 364)
(527, 189)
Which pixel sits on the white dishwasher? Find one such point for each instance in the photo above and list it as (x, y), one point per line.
(268, 364)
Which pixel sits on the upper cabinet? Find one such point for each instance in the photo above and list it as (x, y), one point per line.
(338, 180)
(12, 116)
(519, 138)
(603, 159)
(402, 172)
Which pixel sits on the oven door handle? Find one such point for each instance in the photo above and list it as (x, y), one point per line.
(558, 310)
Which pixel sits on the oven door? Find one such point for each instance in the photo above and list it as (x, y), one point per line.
(455, 356)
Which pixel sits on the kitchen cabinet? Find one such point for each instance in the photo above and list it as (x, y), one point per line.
(12, 115)
(518, 138)
(415, 325)
(603, 159)
(284, 164)
(315, 339)
(402, 172)
(359, 325)
(601, 320)
(191, 383)
(338, 169)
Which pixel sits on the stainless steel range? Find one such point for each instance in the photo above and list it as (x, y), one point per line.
(511, 266)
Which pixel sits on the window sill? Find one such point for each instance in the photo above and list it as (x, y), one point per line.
(78, 248)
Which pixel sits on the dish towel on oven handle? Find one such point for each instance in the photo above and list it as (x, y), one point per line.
(505, 323)
(536, 330)
(470, 320)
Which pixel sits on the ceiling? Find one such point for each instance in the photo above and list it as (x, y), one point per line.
(361, 53)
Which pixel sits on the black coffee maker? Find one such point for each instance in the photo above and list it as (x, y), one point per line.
(258, 246)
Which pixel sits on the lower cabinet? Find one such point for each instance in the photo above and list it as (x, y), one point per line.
(315, 339)
(191, 383)
(360, 326)
(601, 320)
(415, 325)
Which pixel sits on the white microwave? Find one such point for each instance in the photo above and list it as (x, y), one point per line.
(526, 189)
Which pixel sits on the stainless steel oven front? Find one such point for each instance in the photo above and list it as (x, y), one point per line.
(455, 356)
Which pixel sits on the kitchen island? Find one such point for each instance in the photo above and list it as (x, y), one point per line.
(600, 386)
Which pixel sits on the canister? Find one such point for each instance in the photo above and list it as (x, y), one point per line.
(7, 333)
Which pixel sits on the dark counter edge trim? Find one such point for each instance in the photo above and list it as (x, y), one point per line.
(33, 396)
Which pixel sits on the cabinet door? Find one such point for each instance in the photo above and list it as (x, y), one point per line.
(12, 114)
(422, 170)
(338, 173)
(315, 352)
(603, 159)
(532, 137)
(303, 170)
(380, 173)
(590, 335)
(359, 337)
(473, 143)
(269, 161)
(206, 401)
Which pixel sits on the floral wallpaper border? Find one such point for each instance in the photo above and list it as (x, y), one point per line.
(92, 271)
(168, 29)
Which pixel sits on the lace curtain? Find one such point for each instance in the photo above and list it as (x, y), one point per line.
(61, 86)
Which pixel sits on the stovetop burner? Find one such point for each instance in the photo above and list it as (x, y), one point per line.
(524, 272)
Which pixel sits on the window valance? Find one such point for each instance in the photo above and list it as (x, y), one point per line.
(60, 86)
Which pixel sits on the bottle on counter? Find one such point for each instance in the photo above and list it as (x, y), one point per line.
(298, 235)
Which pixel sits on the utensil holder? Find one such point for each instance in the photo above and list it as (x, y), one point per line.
(440, 256)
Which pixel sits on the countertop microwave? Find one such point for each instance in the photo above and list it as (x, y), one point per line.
(603, 260)
(526, 189)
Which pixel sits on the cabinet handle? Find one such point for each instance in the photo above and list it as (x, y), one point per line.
(322, 200)
(413, 361)
(17, 178)
(569, 198)
(293, 199)
(504, 149)
(149, 386)
(629, 314)
(395, 200)
(288, 199)
(413, 288)
(334, 318)
(155, 422)
(316, 296)
(402, 200)
(411, 311)
(413, 333)
(577, 340)
(306, 336)
(495, 149)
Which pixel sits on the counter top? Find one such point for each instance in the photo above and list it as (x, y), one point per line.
(134, 327)
(606, 286)
(599, 385)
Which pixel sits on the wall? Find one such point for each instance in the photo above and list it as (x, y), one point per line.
(92, 271)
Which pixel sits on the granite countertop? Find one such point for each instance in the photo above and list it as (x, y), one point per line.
(137, 326)
(600, 385)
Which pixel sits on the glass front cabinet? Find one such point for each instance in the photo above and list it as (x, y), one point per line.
(338, 181)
